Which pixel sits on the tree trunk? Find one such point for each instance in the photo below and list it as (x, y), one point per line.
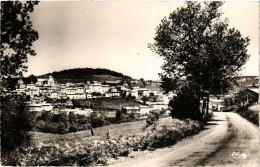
(207, 113)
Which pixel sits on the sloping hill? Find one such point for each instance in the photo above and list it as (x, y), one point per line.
(86, 74)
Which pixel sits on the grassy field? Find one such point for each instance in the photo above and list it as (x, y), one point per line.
(115, 130)
(125, 129)
(106, 103)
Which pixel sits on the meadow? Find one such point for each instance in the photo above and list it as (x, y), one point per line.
(81, 149)
(124, 129)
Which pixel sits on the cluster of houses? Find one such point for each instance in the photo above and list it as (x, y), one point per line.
(48, 87)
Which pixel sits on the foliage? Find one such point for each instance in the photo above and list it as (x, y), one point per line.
(250, 115)
(91, 152)
(244, 97)
(59, 123)
(122, 116)
(63, 123)
(15, 126)
(144, 99)
(85, 74)
(17, 36)
(186, 103)
(10, 82)
(129, 97)
(228, 101)
(30, 79)
(96, 94)
(153, 118)
(199, 48)
(97, 119)
(153, 98)
(142, 83)
(104, 103)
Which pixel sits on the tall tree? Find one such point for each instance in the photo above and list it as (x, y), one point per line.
(199, 49)
(142, 83)
(17, 36)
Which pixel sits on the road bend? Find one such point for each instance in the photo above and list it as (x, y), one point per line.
(228, 140)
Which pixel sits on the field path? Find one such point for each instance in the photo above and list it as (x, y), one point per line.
(215, 146)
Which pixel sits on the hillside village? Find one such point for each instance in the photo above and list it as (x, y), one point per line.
(48, 88)
(146, 100)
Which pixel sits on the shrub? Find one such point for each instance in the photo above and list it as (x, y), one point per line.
(73, 128)
(250, 115)
(152, 120)
(185, 105)
(91, 152)
(15, 126)
(97, 119)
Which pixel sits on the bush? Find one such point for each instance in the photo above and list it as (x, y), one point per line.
(185, 104)
(73, 128)
(91, 152)
(15, 125)
(152, 120)
(250, 115)
(97, 119)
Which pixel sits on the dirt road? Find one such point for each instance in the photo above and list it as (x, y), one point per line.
(228, 140)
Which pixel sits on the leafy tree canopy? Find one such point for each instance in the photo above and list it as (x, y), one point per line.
(17, 36)
(198, 47)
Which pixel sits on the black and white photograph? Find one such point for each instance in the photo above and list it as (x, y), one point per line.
(130, 83)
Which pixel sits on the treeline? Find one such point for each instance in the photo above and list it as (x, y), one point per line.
(84, 73)
(62, 123)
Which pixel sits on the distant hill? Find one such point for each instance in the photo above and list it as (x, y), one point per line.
(86, 74)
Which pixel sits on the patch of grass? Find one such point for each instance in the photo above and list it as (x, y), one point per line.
(125, 129)
(106, 103)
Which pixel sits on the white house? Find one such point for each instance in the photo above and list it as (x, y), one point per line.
(134, 93)
(143, 92)
(51, 81)
(144, 110)
(104, 88)
(88, 95)
(79, 111)
(42, 81)
(95, 87)
(54, 95)
(30, 86)
(40, 107)
(129, 110)
(76, 95)
(115, 93)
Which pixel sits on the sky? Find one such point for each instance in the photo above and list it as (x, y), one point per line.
(115, 35)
